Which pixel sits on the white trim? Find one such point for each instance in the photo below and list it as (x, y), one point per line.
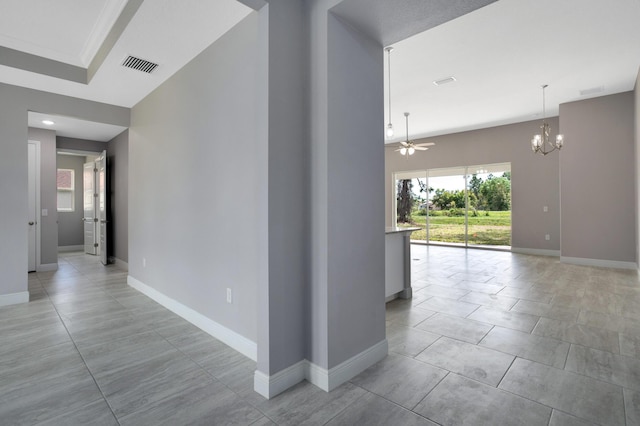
(599, 262)
(270, 386)
(47, 267)
(64, 249)
(327, 380)
(119, 263)
(240, 343)
(14, 298)
(38, 195)
(536, 252)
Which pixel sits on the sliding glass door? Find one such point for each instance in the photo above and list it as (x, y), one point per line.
(464, 206)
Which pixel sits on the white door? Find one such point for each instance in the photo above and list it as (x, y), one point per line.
(32, 217)
(90, 217)
(101, 166)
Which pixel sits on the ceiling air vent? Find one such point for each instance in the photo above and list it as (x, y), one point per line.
(139, 64)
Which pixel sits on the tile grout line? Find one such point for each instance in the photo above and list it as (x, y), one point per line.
(82, 358)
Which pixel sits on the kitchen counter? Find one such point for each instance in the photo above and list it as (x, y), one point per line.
(398, 263)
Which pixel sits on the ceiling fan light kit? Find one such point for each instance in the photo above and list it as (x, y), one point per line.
(540, 144)
(408, 147)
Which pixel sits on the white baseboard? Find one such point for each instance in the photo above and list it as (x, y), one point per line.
(238, 342)
(270, 386)
(327, 380)
(536, 252)
(63, 249)
(14, 298)
(47, 267)
(120, 263)
(599, 262)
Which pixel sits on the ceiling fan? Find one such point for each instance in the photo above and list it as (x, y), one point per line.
(409, 147)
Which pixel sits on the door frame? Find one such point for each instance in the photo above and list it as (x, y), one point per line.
(38, 194)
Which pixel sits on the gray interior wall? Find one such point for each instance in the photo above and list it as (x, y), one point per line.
(64, 142)
(534, 178)
(598, 179)
(70, 226)
(118, 166)
(355, 165)
(282, 310)
(195, 186)
(15, 102)
(636, 123)
(48, 195)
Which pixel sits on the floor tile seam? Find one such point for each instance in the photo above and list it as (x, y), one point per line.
(576, 343)
(195, 361)
(87, 367)
(350, 404)
(401, 406)
(595, 378)
(571, 372)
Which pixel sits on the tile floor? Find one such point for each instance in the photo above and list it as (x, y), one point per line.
(489, 338)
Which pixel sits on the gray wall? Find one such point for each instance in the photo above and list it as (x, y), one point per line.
(282, 333)
(15, 102)
(534, 178)
(48, 195)
(195, 187)
(597, 179)
(80, 144)
(118, 165)
(70, 226)
(636, 122)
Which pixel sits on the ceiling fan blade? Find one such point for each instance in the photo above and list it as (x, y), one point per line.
(397, 150)
(405, 144)
(425, 144)
(420, 148)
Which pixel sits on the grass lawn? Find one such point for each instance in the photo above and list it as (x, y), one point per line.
(494, 229)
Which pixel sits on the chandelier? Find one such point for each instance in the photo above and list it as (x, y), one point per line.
(540, 144)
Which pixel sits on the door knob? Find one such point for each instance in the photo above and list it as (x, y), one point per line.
(31, 223)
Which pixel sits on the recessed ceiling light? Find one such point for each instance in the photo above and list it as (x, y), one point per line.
(48, 122)
(444, 81)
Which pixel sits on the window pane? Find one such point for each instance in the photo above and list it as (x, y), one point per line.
(65, 201)
(65, 179)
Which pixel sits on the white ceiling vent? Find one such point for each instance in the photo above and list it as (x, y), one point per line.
(139, 64)
(444, 81)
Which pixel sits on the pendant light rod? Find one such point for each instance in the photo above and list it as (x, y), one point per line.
(389, 125)
(406, 119)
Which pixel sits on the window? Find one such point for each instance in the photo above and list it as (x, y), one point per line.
(66, 190)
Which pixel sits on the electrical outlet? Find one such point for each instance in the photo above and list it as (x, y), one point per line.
(545, 209)
(144, 262)
(229, 299)
(547, 237)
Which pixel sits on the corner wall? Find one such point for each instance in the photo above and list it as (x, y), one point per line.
(534, 178)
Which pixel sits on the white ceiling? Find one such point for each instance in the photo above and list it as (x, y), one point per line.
(167, 32)
(75, 128)
(502, 53)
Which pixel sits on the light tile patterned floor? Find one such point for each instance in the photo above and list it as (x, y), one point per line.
(490, 338)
